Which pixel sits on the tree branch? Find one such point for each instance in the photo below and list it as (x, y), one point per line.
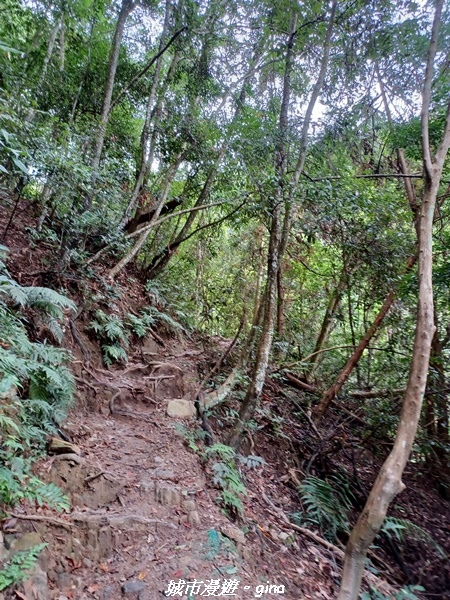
(145, 69)
(426, 92)
(171, 216)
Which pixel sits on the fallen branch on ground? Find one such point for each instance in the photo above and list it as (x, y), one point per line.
(284, 522)
(306, 387)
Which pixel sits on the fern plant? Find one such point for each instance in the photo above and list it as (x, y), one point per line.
(227, 478)
(401, 528)
(18, 567)
(113, 337)
(406, 593)
(114, 333)
(327, 504)
(36, 390)
(48, 304)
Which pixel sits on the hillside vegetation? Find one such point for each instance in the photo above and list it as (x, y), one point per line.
(259, 189)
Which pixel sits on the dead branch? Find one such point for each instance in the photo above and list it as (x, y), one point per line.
(305, 387)
(377, 393)
(93, 477)
(284, 522)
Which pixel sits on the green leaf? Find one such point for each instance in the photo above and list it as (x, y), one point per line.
(19, 164)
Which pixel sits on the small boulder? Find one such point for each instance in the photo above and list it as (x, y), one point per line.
(26, 542)
(181, 409)
(167, 496)
(132, 587)
(194, 519)
(233, 533)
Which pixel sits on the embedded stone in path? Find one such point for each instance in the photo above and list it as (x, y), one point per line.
(181, 409)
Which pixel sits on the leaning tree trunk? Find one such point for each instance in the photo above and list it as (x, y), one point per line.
(170, 176)
(327, 322)
(50, 48)
(353, 361)
(333, 391)
(389, 483)
(159, 262)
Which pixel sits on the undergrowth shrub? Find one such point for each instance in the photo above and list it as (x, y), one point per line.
(18, 567)
(36, 390)
(114, 333)
(226, 474)
(327, 505)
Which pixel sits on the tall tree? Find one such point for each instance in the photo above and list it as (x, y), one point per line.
(127, 6)
(389, 481)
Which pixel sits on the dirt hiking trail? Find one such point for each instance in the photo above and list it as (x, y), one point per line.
(144, 511)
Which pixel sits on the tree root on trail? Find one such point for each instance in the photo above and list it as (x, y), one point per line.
(77, 338)
(127, 413)
(118, 520)
(51, 520)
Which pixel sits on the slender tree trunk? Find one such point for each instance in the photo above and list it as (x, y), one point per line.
(62, 44)
(146, 158)
(265, 341)
(388, 483)
(280, 302)
(437, 397)
(85, 73)
(327, 323)
(126, 8)
(409, 188)
(223, 391)
(333, 391)
(289, 204)
(352, 362)
(280, 226)
(50, 48)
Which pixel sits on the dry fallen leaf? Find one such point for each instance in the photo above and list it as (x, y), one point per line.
(92, 588)
(104, 567)
(142, 575)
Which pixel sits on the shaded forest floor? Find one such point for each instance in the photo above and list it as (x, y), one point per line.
(145, 507)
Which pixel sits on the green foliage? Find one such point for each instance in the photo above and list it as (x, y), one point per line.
(327, 503)
(18, 484)
(406, 593)
(112, 336)
(18, 567)
(191, 436)
(114, 333)
(36, 390)
(401, 528)
(226, 475)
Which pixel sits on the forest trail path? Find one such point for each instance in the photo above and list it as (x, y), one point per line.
(143, 508)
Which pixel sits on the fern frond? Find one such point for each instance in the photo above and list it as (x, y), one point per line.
(400, 528)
